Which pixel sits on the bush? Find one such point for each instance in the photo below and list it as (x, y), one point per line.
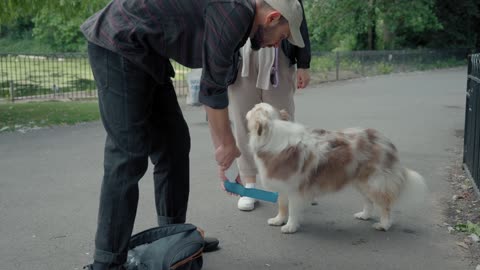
(323, 63)
(384, 68)
(61, 33)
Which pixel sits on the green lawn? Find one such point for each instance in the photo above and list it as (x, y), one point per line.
(51, 74)
(41, 114)
(33, 75)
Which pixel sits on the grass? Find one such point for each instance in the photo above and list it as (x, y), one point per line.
(53, 74)
(42, 114)
(469, 227)
(44, 75)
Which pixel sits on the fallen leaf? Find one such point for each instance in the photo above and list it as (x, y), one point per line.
(462, 244)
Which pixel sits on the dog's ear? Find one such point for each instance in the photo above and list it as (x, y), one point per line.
(284, 115)
(261, 126)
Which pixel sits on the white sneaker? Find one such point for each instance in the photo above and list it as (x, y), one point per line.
(246, 203)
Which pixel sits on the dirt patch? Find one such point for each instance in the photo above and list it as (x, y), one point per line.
(463, 206)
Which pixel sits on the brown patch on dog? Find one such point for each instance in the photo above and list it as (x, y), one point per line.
(338, 141)
(366, 168)
(371, 134)
(383, 199)
(307, 162)
(331, 175)
(361, 145)
(282, 165)
(320, 131)
(390, 159)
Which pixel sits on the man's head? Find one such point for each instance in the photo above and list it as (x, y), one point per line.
(277, 20)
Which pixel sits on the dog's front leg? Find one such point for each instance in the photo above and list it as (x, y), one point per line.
(367, 209)
(282, 214)
(296, 205)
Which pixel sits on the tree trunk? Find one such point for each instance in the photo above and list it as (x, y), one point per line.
(372, 35)
(387, 37)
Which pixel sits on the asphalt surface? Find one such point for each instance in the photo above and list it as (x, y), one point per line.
(50, 180)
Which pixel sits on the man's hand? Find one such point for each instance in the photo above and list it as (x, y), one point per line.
(223, 178)
(303, 78)
(225, 146)
(225, 154)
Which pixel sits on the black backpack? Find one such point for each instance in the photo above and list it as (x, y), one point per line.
(174, 246)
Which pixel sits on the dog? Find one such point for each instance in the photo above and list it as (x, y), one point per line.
(302, 163)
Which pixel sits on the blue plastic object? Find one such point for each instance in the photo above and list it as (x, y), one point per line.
(251, 192)
(232, 186)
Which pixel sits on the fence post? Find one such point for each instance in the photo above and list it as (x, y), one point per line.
(467, 105)
(362, 63)
(471, 156)
(337, 62)
(12, 92)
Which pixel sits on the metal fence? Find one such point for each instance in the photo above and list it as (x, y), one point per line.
(332, 66)
(471, 155)
(56, 76)
(68, 76)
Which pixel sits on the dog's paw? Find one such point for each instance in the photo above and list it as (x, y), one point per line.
(277, 221)
(290, 227)
(381, 227)
(362, 216)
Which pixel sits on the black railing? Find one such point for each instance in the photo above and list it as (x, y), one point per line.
(333, 66)
(471, 156)
(57, 76)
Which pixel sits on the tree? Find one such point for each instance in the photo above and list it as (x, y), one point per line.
(459, 20)
(13, 9)
(337, 20)
(53, 22)
(334, 22)
(415, 16)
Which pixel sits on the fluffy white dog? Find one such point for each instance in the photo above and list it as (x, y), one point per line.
(301, 164)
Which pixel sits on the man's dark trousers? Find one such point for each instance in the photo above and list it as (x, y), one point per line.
(143, 119)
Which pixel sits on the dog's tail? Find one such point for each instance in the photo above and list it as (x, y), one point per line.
(414, 189)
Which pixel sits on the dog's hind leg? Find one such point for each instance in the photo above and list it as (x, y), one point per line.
(385, 220)
(384, 202)
(282, 215)
(296, 205)
(366, 214)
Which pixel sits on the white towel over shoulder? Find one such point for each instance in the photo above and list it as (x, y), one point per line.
(266, 57)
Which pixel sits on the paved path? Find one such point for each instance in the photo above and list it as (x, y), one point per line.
(50, 179)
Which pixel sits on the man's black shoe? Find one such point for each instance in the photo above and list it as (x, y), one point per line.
(101, 266)
(211, 244)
